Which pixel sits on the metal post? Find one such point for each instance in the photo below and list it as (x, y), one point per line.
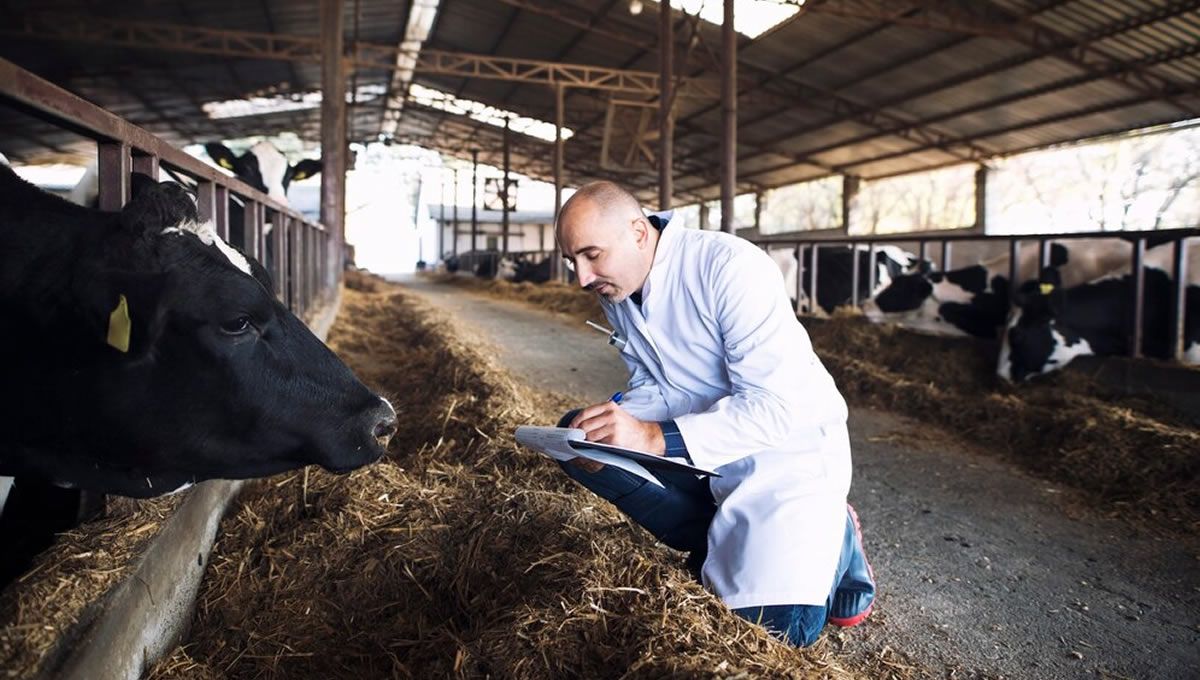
(333, 132)
(758, 201)
(1180, 307)
(146, 164)
(206, 201)
(504, 193)
(666, 106)
(813, 306)
(872, 271)
(556, 268)
(474, 199)
(221, 214)
(1139, 295)
(946, 255)
(252, 230)
(454, 234)
(728, 118)
(1043, 254)
(114, 165)
(854, 269)
(441, 233)
(923, 252)
(1014, 253)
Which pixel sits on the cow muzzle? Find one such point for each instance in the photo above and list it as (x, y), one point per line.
(385, 423)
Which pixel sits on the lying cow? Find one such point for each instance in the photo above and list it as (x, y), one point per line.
(835, 269)
(146, 354)
(1054, 322)
(974, 300)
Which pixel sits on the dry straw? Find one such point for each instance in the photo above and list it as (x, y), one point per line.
(460, 555)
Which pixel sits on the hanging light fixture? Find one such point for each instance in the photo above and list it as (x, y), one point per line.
(635, 7)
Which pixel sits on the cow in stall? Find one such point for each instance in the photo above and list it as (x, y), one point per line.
(522, 269)
(974, 300)
(146, 355)
(265, 168)
(1053, 322)
(835, 269)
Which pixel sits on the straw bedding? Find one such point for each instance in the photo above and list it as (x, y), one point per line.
(39, 610)
(459, 555)
(1131, 455)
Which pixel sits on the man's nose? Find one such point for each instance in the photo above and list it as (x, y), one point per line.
(586, 277)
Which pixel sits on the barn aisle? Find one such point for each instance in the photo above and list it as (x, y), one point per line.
(985, 570)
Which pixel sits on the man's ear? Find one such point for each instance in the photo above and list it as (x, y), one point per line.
(302, 170)
(222, 156)
(641, 228)
(124, 311)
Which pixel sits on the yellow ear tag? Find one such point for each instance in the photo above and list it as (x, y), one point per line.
(1047, 288)
(119, 326)
(224, 163)
(299, 176)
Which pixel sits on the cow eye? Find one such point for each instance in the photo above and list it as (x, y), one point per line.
(236, 326)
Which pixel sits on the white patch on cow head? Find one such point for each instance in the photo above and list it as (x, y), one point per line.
(944, 291)
(272, 165)
(1063, 352)
(208, 236)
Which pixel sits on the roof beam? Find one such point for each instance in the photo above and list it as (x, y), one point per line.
(253, 45)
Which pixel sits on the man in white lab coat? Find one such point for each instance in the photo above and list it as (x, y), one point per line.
(722, 374)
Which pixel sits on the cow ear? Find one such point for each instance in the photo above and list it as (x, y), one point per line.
(222, 156)
(157, 206)
(1058, 255)
(303, 170)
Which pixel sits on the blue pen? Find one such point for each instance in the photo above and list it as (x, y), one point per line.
(615, 398)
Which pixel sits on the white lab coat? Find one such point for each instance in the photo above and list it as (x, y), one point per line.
(715, 345)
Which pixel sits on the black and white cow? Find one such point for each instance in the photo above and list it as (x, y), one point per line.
(975, 300)
(145, 354)
(1054, 322)
(835, 268)
(263, 167)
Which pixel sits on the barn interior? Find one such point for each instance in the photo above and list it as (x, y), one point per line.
(844, 92)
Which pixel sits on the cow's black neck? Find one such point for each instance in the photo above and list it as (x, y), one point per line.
(41, 240)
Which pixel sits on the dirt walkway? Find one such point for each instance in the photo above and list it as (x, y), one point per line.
(985, 571)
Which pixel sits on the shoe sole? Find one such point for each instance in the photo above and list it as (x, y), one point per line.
(857, 618)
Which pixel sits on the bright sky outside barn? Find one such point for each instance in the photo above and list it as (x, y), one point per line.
(963, 198)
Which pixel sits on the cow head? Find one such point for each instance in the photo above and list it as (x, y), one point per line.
(1036, 340)
(263, 167)
(178, 364)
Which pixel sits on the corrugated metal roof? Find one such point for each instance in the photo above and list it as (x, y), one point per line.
(871, 88)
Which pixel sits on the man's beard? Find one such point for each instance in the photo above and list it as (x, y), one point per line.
(614, 295)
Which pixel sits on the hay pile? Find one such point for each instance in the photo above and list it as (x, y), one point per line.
(1132, 455)
(459, 555)
(38, 610)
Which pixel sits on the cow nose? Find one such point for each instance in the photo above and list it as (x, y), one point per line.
(385, 423)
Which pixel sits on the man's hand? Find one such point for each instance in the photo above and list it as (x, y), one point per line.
(608, 423)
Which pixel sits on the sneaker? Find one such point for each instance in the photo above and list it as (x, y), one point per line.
(855, 594)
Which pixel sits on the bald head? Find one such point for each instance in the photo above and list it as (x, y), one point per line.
(605, 236)
(607, 200)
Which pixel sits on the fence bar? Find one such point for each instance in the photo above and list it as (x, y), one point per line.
(812, 279)
(252, 230)
(1014, 253)
(147, 164)
(206, 201)
(1139, 294)
(945, 255)
(1043, 255)
(222, 212)
(923, 250)
(872, 271)
(114, 165)
(854, 269)
(1180, 307)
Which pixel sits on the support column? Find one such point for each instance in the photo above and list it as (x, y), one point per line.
(454, 234)
(474, 199)
(728, 118)
(850, 185)
(556, 268)
(666, 106)
(333, 134)
(504, 193)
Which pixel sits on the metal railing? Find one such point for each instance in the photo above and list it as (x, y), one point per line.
(297, 252)
(1139, 240)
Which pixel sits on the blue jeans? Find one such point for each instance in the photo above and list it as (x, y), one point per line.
(678, 514)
